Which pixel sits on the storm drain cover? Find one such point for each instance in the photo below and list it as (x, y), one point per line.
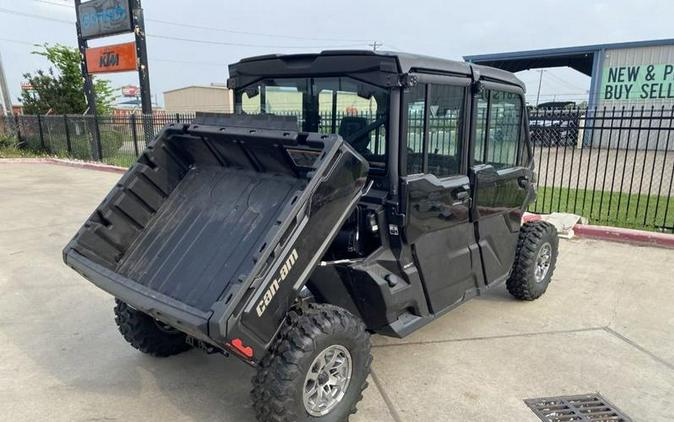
(585, 407)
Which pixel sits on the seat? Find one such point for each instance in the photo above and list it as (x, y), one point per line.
(350, 129)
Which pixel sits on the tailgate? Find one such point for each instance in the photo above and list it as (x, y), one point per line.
(207, 210)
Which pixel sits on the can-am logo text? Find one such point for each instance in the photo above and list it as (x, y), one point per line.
(274, 286)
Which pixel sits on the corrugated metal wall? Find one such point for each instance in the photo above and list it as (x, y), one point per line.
(637, 83)
(197, 98)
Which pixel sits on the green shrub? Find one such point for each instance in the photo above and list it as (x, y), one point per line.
(7, 140)
(111, 142)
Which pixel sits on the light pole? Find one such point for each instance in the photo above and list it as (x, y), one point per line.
(540, 82)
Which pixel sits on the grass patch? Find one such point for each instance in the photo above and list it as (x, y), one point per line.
(654, 213)
(11, 151)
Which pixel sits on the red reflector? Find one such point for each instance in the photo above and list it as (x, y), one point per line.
(247, 351)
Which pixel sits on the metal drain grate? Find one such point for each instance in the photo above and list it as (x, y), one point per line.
(585, 407)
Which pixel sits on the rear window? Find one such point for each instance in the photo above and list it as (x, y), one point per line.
(357, 111)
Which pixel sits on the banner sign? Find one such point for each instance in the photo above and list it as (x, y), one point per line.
(99, 18)
(130, 91)
(112, 58)
(638, 82)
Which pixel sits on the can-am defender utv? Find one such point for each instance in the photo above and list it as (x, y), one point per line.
(351, 192)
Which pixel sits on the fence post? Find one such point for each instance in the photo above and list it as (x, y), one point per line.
(39, 125)
(67, 130)
(134, 134)
(96, 150)
(148, 127)
(177, 117)
(18, 129)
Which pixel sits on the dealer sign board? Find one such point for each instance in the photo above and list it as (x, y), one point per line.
(639, 82)
(99, 18)
(112, 58)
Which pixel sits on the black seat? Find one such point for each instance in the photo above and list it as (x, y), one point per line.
(350, 129)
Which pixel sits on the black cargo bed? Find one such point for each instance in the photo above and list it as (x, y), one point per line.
(203, 236)
(205, 214)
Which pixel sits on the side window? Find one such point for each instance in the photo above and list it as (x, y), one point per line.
(479, 149)
(415, 128)
(446, 104)
(498, 129)
(505, 123)
(441, 130)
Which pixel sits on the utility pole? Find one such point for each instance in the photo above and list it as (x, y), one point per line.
(375, 44)
(540, 82)
(141, 52)
(6, 98)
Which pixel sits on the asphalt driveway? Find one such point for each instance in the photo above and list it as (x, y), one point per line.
(606, 325)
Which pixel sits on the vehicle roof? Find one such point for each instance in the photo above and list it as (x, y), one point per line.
(406, 62)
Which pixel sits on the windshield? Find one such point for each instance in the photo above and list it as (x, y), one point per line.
(357, 111)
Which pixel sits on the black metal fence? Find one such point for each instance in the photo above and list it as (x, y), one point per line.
(117, 140)
(613, 166)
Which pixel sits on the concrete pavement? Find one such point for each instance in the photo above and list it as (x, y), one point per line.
(605, 325)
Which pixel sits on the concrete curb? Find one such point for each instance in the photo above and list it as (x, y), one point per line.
(616, 234)
(68, 163)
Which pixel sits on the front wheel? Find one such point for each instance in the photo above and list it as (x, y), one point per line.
(317, 370)
(535, 260)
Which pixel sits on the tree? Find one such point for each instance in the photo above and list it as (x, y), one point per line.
(60, 90)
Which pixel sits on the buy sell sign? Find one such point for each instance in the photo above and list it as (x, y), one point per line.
(638, 82)
(112, 58)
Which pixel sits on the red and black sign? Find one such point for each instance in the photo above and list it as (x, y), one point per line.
(112, 58)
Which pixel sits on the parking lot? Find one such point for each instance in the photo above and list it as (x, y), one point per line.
(605, 325)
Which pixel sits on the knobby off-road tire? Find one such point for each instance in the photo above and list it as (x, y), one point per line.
(535, 260)
(146, 334)
(284, 378)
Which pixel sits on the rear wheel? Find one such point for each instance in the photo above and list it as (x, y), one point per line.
(317, 370)
(534, 261)
(147, 334)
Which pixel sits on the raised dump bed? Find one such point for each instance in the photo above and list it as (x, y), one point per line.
(209, 211)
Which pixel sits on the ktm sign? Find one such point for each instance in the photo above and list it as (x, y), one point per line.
(112, 58)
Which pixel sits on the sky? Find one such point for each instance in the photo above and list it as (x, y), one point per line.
(191, 43)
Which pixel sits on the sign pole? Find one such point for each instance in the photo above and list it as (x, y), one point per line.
(141, 52)
(88, 83)
(89, 92)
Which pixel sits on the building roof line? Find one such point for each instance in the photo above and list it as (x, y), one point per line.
(566, 51)
(196, 86)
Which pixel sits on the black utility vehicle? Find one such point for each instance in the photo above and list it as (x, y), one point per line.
(351, 192)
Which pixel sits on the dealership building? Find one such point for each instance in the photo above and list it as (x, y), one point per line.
(626, 74)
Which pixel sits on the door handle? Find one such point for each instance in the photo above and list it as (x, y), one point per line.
(523, 182)
(462, 195)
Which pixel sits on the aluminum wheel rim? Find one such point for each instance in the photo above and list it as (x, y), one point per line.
(543, 262)
(327, 380)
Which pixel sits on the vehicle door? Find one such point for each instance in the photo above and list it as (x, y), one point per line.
(500, 175)
(436, 188)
